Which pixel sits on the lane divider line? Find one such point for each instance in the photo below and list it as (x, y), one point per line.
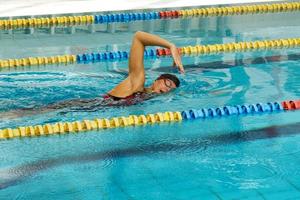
(235, 47)
(152, 53)
(39, 22)
(135, 120)
(38, 61)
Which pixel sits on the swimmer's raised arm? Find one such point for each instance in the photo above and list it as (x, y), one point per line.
(136, 78)
(143, 39)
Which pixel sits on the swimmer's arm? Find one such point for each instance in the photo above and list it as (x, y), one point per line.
(136, 78)
(140, 41)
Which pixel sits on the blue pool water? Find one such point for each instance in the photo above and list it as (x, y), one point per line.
(238, 157)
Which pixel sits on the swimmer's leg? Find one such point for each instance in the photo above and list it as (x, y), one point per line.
(69, 105)
(23, 112)
(18, 113)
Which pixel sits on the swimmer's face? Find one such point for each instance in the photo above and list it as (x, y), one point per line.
(163, 86)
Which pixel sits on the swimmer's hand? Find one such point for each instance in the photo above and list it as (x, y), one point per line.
(176, 58)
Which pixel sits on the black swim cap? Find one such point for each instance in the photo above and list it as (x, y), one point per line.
(170, 77)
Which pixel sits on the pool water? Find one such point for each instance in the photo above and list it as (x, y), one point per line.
(238, 157)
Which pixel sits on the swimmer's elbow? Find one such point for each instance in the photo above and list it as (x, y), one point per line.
(138, 34)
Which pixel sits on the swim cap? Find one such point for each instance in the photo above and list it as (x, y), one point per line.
(170, 77)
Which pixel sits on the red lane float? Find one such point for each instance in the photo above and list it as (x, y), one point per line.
(291, 105)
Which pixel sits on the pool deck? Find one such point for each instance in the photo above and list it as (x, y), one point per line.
(11, 8)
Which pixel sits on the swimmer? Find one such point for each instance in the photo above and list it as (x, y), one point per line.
(130, 91)
(134, 85)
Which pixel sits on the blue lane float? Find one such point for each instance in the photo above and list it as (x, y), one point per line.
(125, 17)
(110, 56)
(245, 109)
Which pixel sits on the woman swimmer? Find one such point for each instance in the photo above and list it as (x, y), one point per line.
(130, 91)
(135, 82)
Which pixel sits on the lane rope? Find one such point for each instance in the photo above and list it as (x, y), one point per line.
(152, 53)
(136, 120)
(39, 22)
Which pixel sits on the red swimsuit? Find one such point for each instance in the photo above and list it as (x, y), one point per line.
(127, 101)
